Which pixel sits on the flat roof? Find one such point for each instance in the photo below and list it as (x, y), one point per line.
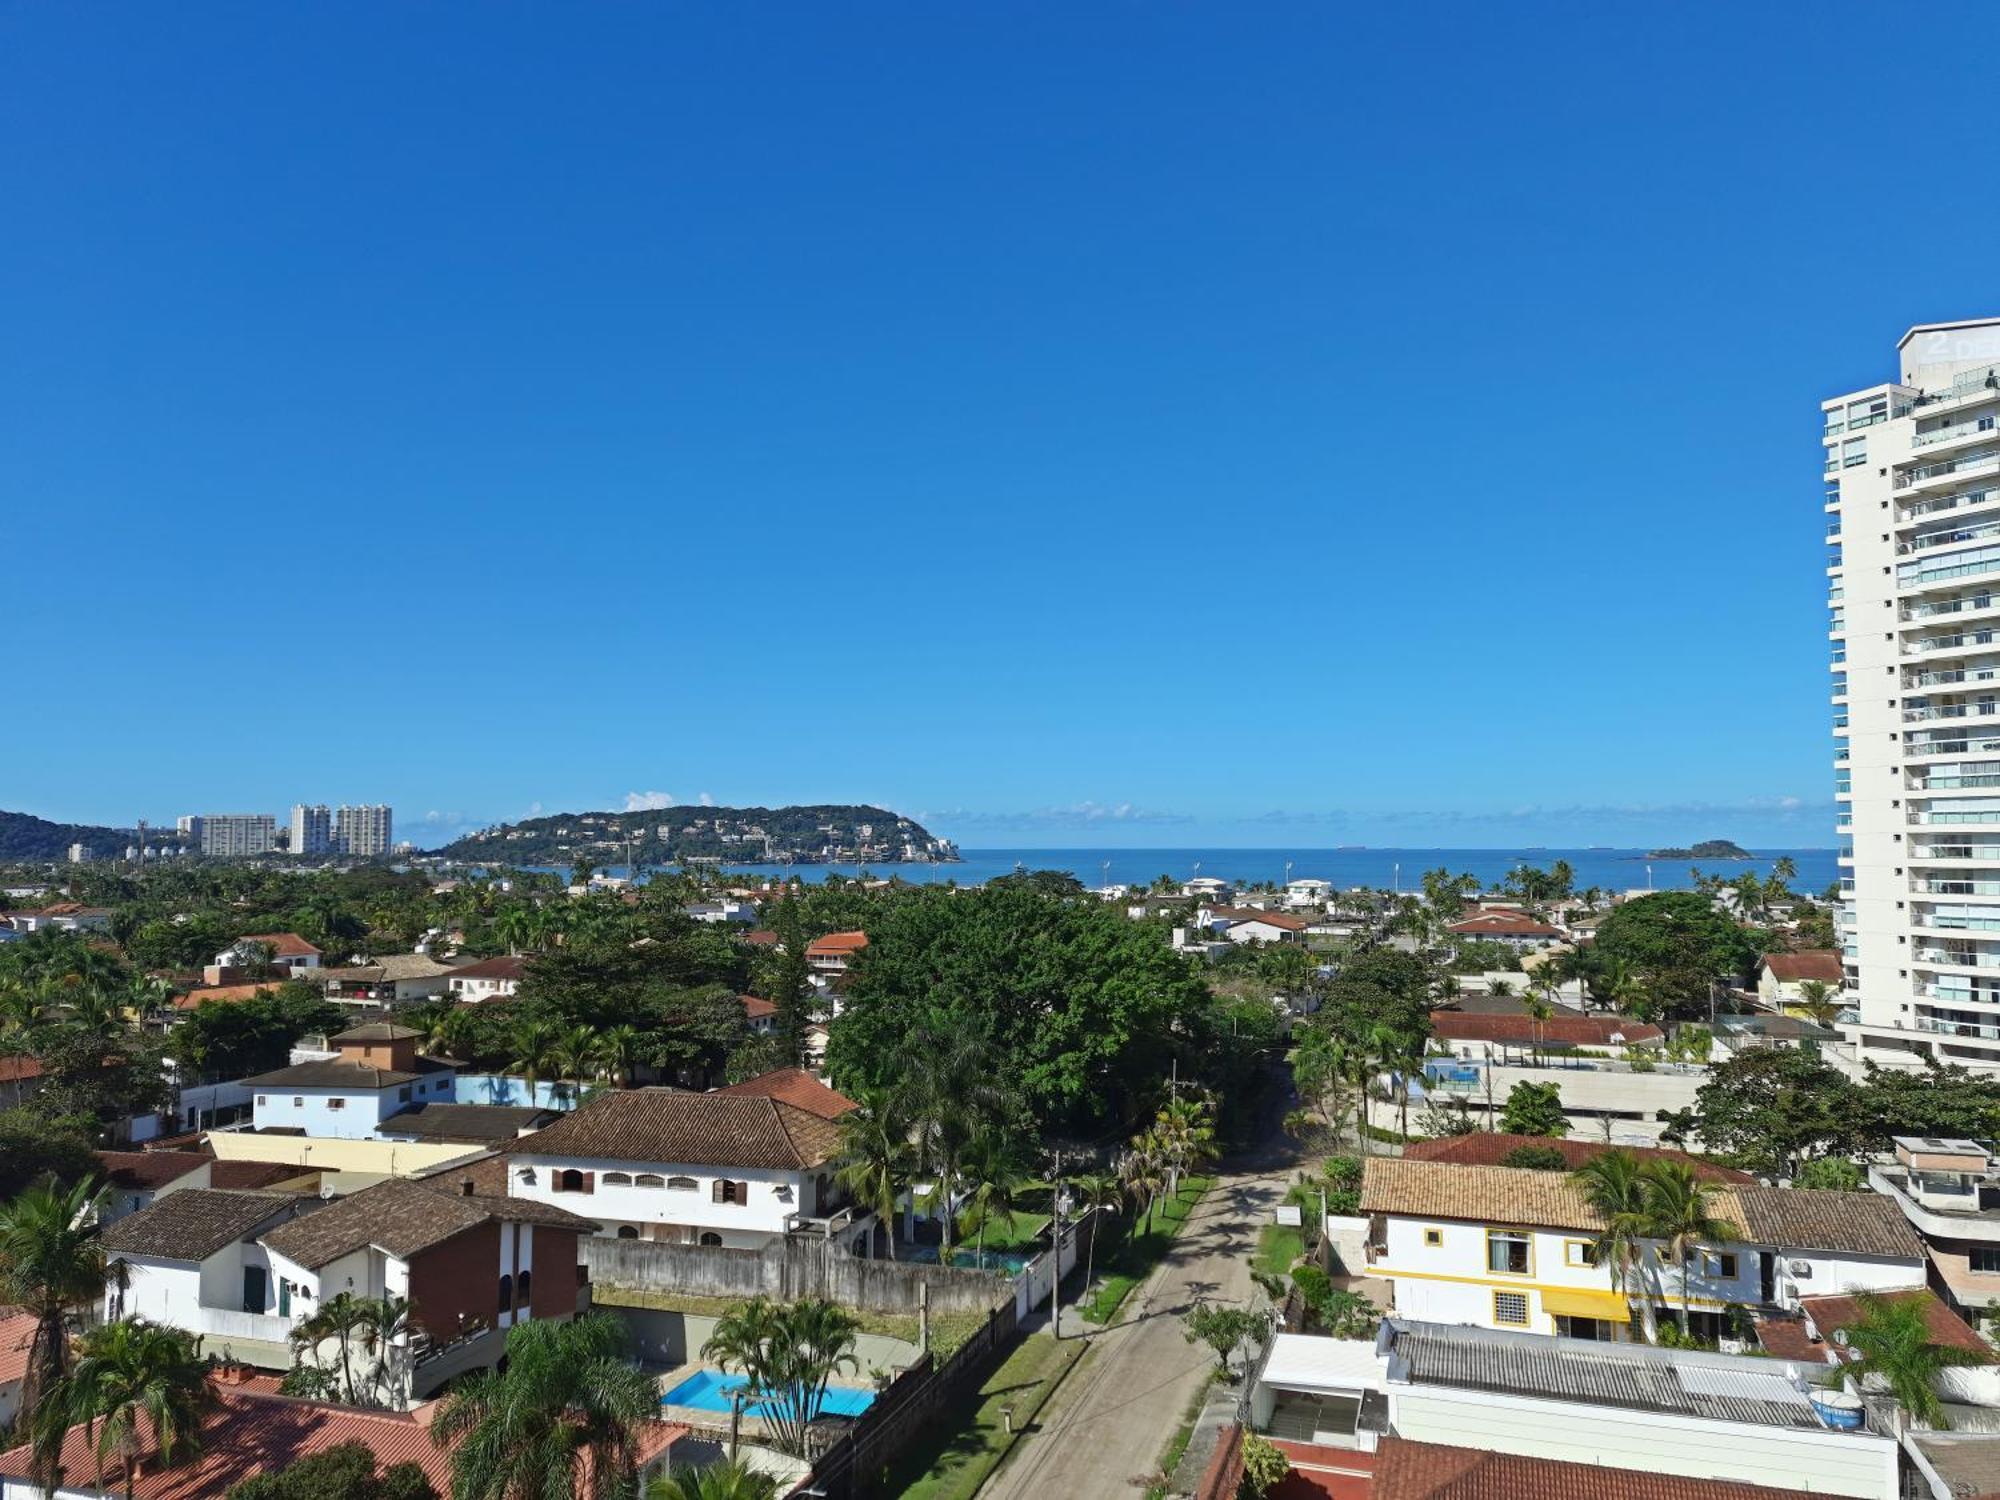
(1917, 328)
(1313, 1362)
(1721, 1387)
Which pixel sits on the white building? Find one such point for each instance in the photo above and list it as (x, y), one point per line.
(375, 1072)
(237, 835)
(363, 831)
(723, 1169)
(312, 829)
(1912, 499)
(1512, 1248)
(489, 979)
(1950, 1192)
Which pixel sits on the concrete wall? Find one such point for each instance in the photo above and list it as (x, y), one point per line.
(385, 1158)
(662, 1337)
(787, 1270)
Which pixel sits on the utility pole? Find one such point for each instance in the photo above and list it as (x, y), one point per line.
(1055, 1285)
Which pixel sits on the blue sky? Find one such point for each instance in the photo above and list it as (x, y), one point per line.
(1066, 423)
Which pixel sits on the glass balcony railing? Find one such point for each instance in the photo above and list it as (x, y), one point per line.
(1952, 432)
(1953, 853)
(1964, 463)
(1922, 575)
(1970, 532)
(1954, 819)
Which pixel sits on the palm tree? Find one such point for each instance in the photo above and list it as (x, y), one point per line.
(533, 1044)
(1540, 1010)
(1144, 1174)
(1101, 1191)
(874, 1156)
(729, 1480)
(1817, 1001)
(1616, 1192)
(617, 1047)
(384, 1329)
(561, 1420)
(50, 1262)
(1680, 1211)
(574, 1057)
(516, 928)
(1895, 1345)
(343, 1318)
(129, 1372)
(993, 1174)
(951, 1090)
(788, 1355)
(440, 1028)
(1186, 1128)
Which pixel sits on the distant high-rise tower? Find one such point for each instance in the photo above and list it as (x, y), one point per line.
(312, 829)
(233, 835)
(1915, 631)
(363, 831)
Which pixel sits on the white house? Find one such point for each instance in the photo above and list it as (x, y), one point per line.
(392, 980)
(132, 1180)
(489, 979)
(1950, 1193)
(288, 951)
(1308, 893)
(375, 1073)
(693, 1169)
(63, 916)
(191, 1261)
(1514, 929)
(1513, 1248)
(1781, 977)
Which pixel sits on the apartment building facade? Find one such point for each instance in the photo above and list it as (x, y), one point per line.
(363, 831)
(312, 829)
(236, 835)
(1912, 503)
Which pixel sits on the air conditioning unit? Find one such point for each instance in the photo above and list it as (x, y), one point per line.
(1801, 1269)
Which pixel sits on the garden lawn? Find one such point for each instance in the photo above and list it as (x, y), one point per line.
(1278, 1248)
(1020, 1231)
(1122, 1266)
(969, 1441)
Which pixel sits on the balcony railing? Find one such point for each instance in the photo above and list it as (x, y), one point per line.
(1965, 463)
(1924, 543)
(1959, 604)
(1941, 503)
(1952, 783)
(1954, 819)
(1952, 433)
(1958, 958)
(1980, 710)
(1925, 852)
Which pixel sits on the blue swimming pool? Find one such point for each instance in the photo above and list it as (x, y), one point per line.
(708, 1390)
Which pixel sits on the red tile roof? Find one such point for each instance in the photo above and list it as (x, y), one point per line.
(1406, 1470)
(251, 1433)
(508, 966)
(1503, 924)
(757, 1009)
(17, 1334)
(19, 1069)
(1819, 963)
(1235, 915)
(149, 1169)
(1946, 1326)
(224, 994)
(835, 944)
(1560, 1031)
(762, 937)
(1484, 1148)
(283, 944)
(798, 1088)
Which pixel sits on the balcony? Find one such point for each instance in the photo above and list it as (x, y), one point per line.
(1954, 783)
(1929, 540)
(1953, 853)
(1944, 474)
(1939, 504)
(1953, 432)
(1982, 709)
(1957, 958)
(1945, 569)
(1958, 604)
(1956, 818)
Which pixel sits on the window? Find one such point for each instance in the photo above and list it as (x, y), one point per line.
(1579, 1253)
(570, 1180)
(1719, 1264)
(336, 1102)
(506, 1295)
(650, 1179)
(298, 1101)
(784, 1192)
(403, 1094)
(1507, 1251)
(681, 1184)
(522, 1288)
(627, 1232)
(1984, 1258)
(725, 1191)
(528, 1175)
(712, 1240)
(1511, 1308)
(263, 1099)
(1433, 1238)
(617, 1179)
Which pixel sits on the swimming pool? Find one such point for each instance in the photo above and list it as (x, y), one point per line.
(996, 1260)
(708, 1390)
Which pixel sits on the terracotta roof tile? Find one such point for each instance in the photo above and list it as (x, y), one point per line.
(1503, 924)
(225, 994)
(406, 1217)
(667, 1125)
(1946, 1326)
(283, 944)
(194, 1223)
(1484, 1148)
(17, 1337)
(507, 966)
(1406, 1470)
(836, 943)
(1818, 963)
(796, 1087)
(1561, 1031)
(472, 1123)
(149, 1169)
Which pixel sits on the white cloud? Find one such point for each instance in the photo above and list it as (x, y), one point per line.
(648, 801)
(706, 800)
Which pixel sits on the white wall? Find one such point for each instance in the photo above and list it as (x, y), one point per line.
(741, 1225)
(1834, 1463)
(343, 1114)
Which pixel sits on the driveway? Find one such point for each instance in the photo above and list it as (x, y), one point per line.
(1113, 1416)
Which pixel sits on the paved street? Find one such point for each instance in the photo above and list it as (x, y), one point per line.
(1106, 1427)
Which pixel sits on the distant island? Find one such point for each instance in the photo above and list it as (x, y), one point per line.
(1706, 849)
(826, 833)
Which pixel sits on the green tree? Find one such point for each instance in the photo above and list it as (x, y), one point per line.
(1264, 1467)
(1768, 1109)
(1534, 1109)
(729, 1480)
(1613, 1186)
(561, 1419)
(788, 1355)
(1896, 1347)
(1095, 1190)
(1820, 1001)
(994, 1178)
(134, 1385)
(34, 1149)
(1536, 1159)
(50, 1263)
(1831, 1174)
(875, 1157)
(1681, 942)
(1223, 1329)
(345, 1471)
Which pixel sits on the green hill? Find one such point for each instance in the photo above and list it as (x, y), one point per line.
(23, 836)
(824, 832)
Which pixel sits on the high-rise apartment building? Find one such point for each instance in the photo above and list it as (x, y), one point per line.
(229, 835)
(1912, 496)
(363, 831)
(312, 829)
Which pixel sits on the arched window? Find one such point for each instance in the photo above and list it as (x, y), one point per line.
(571, 1180)
(522, 1289)
(617, 1179)
(627, 1232)
(712, 1239)
(650, 1179)
(506, 1295)
(681, 1184)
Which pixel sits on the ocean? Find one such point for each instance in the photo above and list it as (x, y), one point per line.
(1387, 869)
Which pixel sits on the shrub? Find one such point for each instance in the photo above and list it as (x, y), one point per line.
(1263, 1467)
(1536, 1158)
